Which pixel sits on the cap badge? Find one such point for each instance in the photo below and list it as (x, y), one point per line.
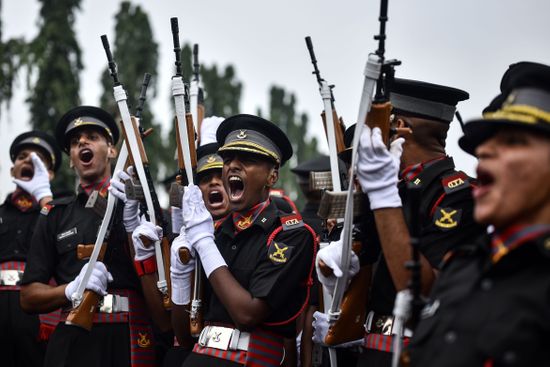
(78, 122)
(211, 159)
(510, 99)
(242, 134)
(36, 140)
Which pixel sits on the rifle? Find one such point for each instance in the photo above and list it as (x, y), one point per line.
(134, 144)
(196, 93)
(376, 71)
(186, 138)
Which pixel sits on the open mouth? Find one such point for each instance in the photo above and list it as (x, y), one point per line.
(215, 197)
(27, 173)
(86, 156)
(236, 187)
(484, 182)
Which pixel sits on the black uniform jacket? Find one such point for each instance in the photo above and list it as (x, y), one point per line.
(16, 229)
(485, 314)
(444, 213)
(275, 271)
(62, 226)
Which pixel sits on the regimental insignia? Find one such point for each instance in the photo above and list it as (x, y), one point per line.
(417, 181)
(211, 159)
(447, 218)
(78, 122)
(143, 340)
(244, 222)
(36, 140)
(23, 202)
(242, 134)
(279, 253)
(455, 182)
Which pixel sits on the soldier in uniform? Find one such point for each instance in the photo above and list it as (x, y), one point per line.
(260, 260)
(121, 333)
(35, 158)
(421, 116)
(490, 305)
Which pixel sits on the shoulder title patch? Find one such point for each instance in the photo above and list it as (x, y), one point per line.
(291, 222)
(447, 218)
(46, 209)
(455, 182)
(279, 253)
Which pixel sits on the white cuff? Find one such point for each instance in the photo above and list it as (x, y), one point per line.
(209, 254)
(387, 197)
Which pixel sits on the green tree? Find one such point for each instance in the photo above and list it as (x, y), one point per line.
(136, 53)
(282, 111)
(11, 58)
(55, 59)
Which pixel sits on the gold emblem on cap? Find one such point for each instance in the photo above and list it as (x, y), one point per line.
(78, 122)
(510, 99)
(211, 159)
(242, 134)
(36, 140)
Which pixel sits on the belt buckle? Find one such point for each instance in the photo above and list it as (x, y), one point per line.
(380, 324)
(219, 337)
(10, 277)
(113, 303)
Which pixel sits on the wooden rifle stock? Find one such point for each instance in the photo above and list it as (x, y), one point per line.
(83, 314)
(350, 324)
(379, 116)
(339, 129)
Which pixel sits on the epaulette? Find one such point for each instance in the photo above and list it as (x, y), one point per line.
(56, 202)
(455, 182)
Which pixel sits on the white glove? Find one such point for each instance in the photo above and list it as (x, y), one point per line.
(378, 168)
(199, 229)
(180, 274)
(39, 185)
(331, 255)
(130, 215)
(98, 281)
(147, 230)
(177, 219)
(320, 329)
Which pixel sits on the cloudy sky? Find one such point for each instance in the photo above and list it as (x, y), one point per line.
(467, 44)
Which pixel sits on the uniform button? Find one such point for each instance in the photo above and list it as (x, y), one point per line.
(15, 251)
(234, 247)
(18, 231)
(450, 337)
(486, 284)
(510, 357)
(547, 244)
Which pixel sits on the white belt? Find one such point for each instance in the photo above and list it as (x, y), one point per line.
(384, 325)
(224, 338)
(112, 303)
(10, 277)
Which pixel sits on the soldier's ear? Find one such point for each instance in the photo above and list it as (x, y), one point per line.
(273, 177)
(71, 164)
(112, 153)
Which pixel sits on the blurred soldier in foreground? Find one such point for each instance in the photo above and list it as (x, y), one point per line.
(491, 305)
(35, 158)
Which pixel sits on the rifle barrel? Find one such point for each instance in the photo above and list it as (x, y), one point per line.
(142, 94)
(176, 41)
(196, 65)
(313, 60)
(112, 64)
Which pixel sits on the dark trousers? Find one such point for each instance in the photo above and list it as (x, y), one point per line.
(19, 345)
(106, 345)
(201, 360)
(374, 358)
